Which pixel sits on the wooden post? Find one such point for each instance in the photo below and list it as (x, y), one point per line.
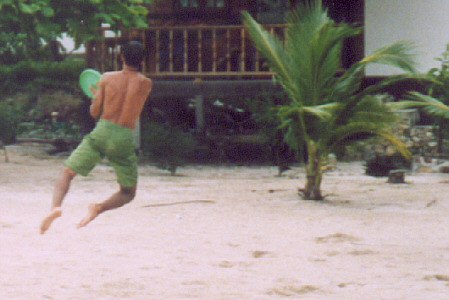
(214, 50)
(103, 52)
(199, 114)
(257, 61)
(186, 47)
(90, 54)
(396, 176)
(228, 50)
(200, 49)
(242, 50)
(170, 51)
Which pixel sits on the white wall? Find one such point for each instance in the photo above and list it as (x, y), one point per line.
(69, 44)
(425, 22)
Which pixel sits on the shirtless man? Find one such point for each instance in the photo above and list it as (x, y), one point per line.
(117, 104)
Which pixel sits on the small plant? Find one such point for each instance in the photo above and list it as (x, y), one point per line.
(167, 145)
(381, 165)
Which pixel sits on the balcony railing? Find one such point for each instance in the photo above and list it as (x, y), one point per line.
(186, 51)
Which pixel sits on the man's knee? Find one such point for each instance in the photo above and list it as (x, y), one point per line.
(67, 172)
(129, 192)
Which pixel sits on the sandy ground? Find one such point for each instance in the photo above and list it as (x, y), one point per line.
(224, 233)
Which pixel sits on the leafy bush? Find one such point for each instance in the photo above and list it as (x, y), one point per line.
(381, 165)
(36, 76)
(12, 47)
(167, 145)
(38, 88)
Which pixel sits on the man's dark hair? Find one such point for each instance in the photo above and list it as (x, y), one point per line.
(133, 53)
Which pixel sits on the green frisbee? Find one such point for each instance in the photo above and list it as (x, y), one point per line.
(89, 78)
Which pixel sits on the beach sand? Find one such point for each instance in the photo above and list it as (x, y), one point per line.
(224, 232)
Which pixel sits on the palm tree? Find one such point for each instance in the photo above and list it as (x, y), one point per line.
(429, 105)
(432, 106)
(326, 111)
(436, 102)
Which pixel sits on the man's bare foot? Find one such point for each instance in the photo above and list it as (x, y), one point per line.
(46, 222)
(92, 212)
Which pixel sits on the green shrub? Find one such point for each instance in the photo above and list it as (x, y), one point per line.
(38, 88)
(381, 165)
(36, 76)
(167, 145)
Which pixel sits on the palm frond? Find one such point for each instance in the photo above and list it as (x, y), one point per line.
(374, 105)
(351, 132)
(314, 45)
(387, 117)
(327, 44)
(347, 85)
(304, 22)
(361, 108)
(396, 55)
(361, 130)
(273, 50)
(395, 141)
(383, 84)
(293, 137)
(288, 111)
(305, 19)
(405, 104)
(429, 105)
(351, 100)
(324, 111)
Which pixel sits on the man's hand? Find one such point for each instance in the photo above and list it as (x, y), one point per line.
(93, 90)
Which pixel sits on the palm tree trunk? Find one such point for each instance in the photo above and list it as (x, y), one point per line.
(312, 190)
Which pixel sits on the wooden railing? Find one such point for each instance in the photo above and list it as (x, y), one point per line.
(187, 51)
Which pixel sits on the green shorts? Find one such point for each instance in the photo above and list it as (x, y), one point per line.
(112, 141)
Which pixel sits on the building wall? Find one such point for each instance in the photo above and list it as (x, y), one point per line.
(425, 22)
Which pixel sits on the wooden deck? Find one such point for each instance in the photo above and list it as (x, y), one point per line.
(218, 52)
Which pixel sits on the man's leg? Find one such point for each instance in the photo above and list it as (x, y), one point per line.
(61, 188)
(122, 197)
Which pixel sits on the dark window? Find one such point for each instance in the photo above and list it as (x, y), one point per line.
(272, 11)
(201, 7)
(187, 3)
(215, 3)
(273, 5)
